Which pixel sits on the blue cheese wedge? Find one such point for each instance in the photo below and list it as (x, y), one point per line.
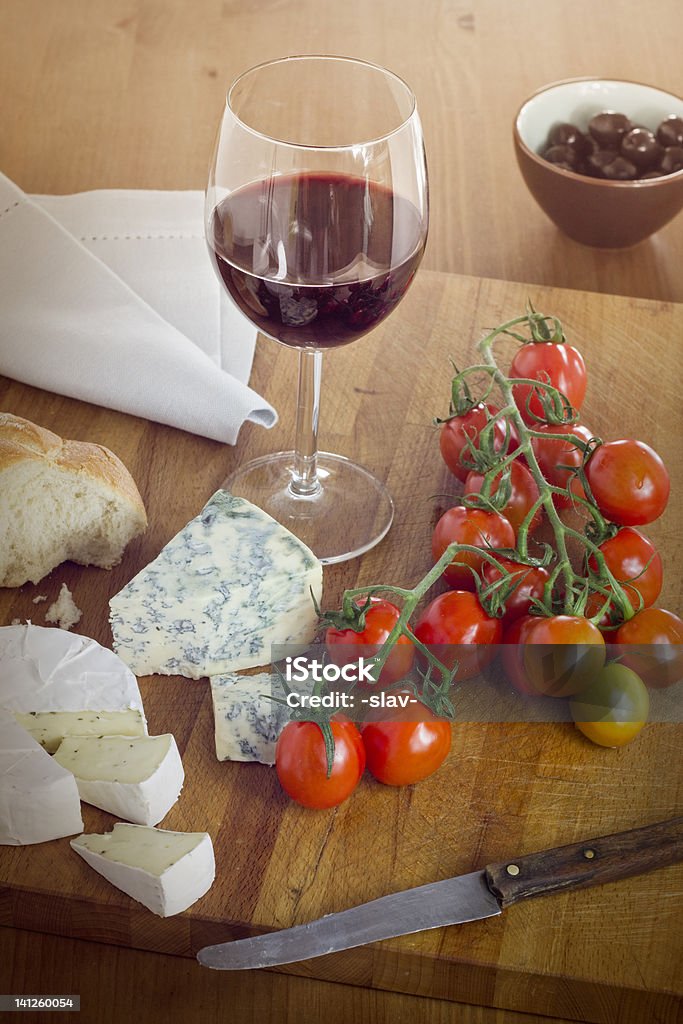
(134, 778)
(57, 683)
(39, 800)
(247, 724)
(223, 591)
(165, 871)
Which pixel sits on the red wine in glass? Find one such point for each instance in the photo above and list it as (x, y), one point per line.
(316, 218)
(314, 259)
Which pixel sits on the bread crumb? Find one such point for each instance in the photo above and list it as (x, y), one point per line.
(64, 612)
(15, 622)
(39, 597)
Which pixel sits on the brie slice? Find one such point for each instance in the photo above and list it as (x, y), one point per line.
(165, 871)
(137, 778)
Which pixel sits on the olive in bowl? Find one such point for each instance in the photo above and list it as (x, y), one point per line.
(601, 193)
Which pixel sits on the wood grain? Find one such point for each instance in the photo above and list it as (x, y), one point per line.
(127, 94)
(183, 991)
(607, 955)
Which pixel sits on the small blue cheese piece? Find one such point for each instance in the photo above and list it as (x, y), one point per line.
(223, 591)
(247, 723)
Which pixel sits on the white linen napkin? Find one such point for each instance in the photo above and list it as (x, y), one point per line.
(109, 297)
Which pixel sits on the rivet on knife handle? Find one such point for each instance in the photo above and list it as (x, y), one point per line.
(588, 863)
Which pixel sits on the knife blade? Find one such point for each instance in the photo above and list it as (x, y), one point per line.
(471, 897)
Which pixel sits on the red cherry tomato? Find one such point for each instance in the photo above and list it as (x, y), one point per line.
(473, 526)
(523, 494)
(562, 653)
(635, 563)
(345, 645)
(559, 364)
(530, 582)
(401, 753)
(629, 482)
(453, 621)
(456, 432)
(556, 458)
(651, 643)
(512, 655)
(301, 763)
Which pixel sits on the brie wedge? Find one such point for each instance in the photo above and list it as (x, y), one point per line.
(135, 778)
(57, 683)
(165, 871)
(39, 800)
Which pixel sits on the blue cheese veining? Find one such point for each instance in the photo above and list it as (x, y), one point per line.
(221, 593)
(247, 723)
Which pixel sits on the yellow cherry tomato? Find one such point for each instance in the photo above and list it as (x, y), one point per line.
(613, 708)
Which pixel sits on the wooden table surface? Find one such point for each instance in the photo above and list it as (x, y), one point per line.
(119, 93)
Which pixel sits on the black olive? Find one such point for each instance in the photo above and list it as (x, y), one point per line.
(562, 156)
(641, 148)
(566, 134)
(608, 128)
(597, 161)
(620, 169)
(672, 159)
(670, 131)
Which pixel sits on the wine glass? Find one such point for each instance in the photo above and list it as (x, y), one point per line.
(316, 221)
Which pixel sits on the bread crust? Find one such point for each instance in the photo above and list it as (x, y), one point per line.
(23, 442)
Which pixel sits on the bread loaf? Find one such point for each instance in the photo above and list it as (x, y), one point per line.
(61, 500)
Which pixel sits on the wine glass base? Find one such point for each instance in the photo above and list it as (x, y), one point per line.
(348, 514)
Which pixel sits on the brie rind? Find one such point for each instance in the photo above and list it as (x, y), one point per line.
(46, 673)
(165, 871)
(135, 778)
(39, 800)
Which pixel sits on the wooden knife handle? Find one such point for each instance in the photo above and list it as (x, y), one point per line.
(593, 862)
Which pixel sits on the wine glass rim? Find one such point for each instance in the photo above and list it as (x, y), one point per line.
(325, 57)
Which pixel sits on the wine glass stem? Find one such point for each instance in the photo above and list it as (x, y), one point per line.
(305, 482)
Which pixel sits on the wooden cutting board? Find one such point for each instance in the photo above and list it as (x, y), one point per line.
(611, 954)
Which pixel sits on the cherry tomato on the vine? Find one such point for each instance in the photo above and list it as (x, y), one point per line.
(557, 458)
(634, 562)
(523, 494)
(400, 753)
(512, 655)
(651, 643)
(561, 654)
(559, 364)
(453, 621)
(473, 526)
(458, 430)
(613, 707)
(529, 580)
(346, 645)
(629, 481)
(301, 763)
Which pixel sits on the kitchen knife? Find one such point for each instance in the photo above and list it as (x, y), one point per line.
(471, 897)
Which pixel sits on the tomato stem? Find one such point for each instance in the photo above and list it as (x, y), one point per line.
(574, 585)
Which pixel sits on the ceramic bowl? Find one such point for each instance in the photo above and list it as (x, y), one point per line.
(598, 212)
